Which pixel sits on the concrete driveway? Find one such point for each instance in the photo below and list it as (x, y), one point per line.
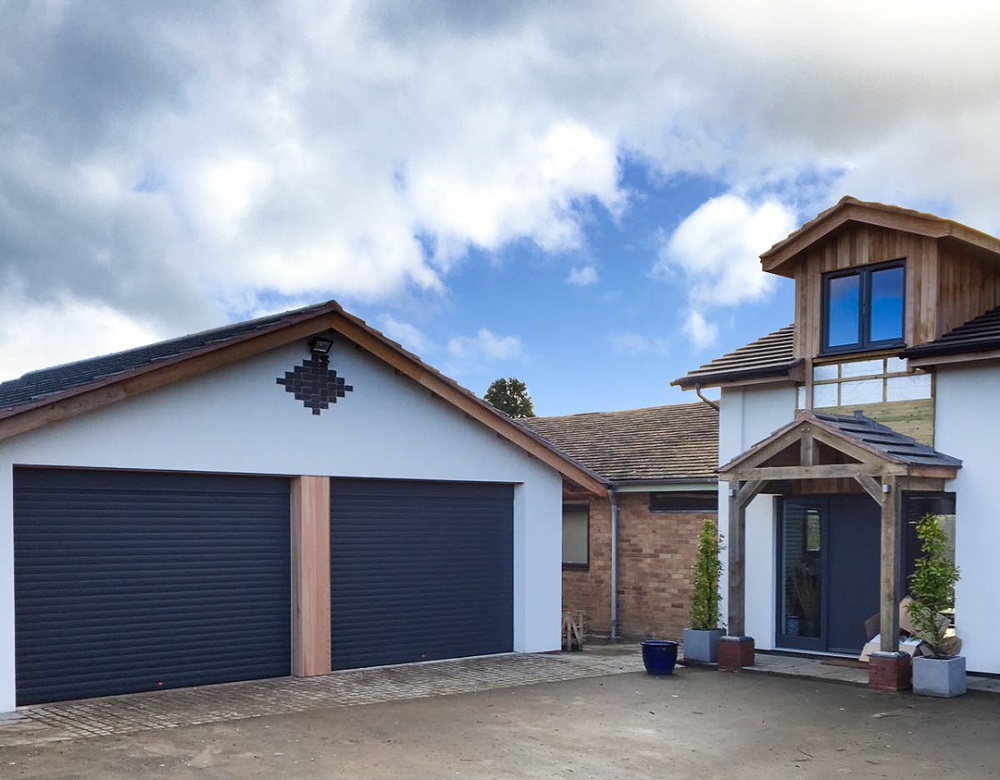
(610, 723)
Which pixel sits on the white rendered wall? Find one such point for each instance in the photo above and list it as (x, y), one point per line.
(748, 415)
(967, 421)
(240, 420)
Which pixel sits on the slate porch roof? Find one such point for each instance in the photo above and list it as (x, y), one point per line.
(884, 441)
(880, 440)
(678, 443)
(770, 356)
(980, 334)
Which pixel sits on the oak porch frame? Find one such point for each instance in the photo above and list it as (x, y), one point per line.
(882, 477)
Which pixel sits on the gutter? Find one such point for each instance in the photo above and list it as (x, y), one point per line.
(734, 375)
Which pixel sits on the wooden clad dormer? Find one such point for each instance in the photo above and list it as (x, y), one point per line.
(951, 272)
(875, 285)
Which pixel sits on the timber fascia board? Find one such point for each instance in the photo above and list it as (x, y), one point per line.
(875, 215)
(475, 408)
(827, 471)
(130, 383)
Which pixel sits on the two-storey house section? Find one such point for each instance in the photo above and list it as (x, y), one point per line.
(877, 406)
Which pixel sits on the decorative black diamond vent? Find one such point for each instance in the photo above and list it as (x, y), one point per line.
(315, 384)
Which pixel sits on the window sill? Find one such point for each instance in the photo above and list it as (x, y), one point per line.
(576, 566)
(875, 350)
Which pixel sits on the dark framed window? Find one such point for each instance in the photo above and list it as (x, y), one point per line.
(576, 536)
(863, 308)
(700, 501)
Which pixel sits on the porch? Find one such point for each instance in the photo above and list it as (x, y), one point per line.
(839, 457)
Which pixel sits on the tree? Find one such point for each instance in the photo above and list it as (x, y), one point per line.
(511, 397)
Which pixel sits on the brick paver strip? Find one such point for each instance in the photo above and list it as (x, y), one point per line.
(234, 701)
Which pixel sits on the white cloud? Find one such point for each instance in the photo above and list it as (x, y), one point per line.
(485, 346)
(583, 276)
(33, 337)
(716, 250)
(701, 332)
(717, 247)
(403, 332)
(633, 344)
(170, 163)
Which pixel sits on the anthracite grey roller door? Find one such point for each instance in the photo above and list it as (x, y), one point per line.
(130, 581)
(419, 571)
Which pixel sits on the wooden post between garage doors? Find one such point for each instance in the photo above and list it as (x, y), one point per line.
(310, 576)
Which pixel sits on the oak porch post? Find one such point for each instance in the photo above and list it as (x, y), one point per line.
(888, 668)
(737, 545)
(889, 607)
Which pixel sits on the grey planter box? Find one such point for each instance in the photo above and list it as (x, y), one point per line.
(939, 676)
(702, 646)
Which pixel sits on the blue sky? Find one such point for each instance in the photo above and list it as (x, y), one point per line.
(572, 193)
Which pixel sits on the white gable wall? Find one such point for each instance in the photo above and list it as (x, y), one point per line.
(967, 418)
(239, 420)
(748, 415)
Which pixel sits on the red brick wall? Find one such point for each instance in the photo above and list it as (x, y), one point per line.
(590, 589)
(656, 551)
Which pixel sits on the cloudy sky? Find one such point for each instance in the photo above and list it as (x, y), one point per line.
(573, 193)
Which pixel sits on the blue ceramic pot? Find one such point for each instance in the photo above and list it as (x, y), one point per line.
(659, 655)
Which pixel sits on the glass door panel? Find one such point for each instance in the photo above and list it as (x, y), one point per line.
(801, 596)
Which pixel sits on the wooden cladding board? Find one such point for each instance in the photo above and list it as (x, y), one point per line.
(947, 284)
(967, 286)
(310, 501)
(852, 247)
(911, 418)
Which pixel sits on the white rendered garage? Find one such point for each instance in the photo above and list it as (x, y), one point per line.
(260, 402)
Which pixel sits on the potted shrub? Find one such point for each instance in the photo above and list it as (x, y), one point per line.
(701, 640)
(932, 591)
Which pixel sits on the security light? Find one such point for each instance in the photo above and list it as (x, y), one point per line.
(320, 345)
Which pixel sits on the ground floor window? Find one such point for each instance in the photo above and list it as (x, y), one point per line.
(576, 536)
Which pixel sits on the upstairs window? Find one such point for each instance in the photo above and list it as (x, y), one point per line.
(863, 308)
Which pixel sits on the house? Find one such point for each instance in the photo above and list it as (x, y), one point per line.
(660, 463)
(289, 495)
(877, 406)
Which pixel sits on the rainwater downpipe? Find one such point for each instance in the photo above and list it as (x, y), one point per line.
(613, 500)
(709, 401)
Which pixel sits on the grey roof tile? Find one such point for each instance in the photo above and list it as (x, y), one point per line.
(58, 379)
(772, 355)
(885, 441)
(979, 334)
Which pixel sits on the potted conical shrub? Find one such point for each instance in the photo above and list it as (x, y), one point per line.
(932, 591)
(701, 640)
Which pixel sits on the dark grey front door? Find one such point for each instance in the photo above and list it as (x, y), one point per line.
(828, 571)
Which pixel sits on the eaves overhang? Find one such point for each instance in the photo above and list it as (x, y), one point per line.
(299, 325)
(792, 372)
(781, 258)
